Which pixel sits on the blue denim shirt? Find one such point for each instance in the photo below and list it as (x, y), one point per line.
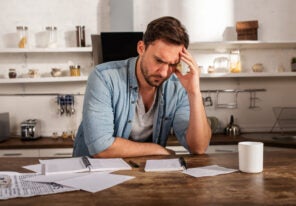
(109, 108)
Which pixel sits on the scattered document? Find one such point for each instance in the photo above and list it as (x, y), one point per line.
(18, 187)
(54, 178)
(77, 164)
(211, 170)
(95, 181)
(163, 165)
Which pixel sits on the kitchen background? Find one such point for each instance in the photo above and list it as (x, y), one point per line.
(206, 21)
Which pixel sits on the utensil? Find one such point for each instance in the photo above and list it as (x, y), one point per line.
(232, 129)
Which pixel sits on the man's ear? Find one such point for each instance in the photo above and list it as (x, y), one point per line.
(140, 47)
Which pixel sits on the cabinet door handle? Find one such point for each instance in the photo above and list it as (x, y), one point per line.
(224, 150)
(12, 154)
(62, 154)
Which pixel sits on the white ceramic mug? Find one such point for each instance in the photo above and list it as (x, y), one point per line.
(250, 156)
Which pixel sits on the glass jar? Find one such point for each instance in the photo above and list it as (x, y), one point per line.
(52, 37)
(12, 73)
(235, 61)
(22, 32)
(75, 70)
(221, 64)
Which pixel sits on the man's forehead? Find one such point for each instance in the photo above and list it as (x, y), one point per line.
(168, 61)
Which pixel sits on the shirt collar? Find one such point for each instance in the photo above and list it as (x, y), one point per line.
(132, 72)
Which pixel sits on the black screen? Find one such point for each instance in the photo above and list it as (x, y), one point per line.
(119, 45)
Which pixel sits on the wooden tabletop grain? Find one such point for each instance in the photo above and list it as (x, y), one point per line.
(276, 185)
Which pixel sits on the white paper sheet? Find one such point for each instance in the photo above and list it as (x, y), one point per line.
(35, 168)
(164, 165)
(95, 181)
(54, 178)
(72, 165)
(211, 170)
(21, 188)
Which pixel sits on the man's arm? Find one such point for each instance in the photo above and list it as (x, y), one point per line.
(126, 148)
(198, 133)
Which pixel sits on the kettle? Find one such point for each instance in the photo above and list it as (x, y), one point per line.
(232, 129)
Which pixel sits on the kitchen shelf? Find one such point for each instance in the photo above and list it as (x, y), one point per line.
(227, 45)
(44, 80)
(46, 50)
(251, 74)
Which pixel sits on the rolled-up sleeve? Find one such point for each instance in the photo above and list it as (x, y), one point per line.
(181, 119)
(98, 119)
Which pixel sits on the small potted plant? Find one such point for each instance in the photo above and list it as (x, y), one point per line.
(293, 64)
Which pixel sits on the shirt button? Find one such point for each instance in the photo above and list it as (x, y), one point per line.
(133, 102)
(129, 121)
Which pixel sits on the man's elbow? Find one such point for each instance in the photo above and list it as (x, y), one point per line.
(198, 151)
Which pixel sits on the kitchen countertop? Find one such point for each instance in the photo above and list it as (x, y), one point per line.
(44, 142)
(217, 139)
(276, 185)
(221, 139)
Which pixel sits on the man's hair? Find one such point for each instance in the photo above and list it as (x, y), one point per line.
(168, 29)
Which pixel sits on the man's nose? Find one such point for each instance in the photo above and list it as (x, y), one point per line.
(165, 70)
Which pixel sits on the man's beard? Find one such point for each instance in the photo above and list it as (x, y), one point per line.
(148, 78)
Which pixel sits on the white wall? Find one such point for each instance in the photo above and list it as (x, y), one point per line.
(206, 20)
(214, 20)
(210, 20)
(64, 14)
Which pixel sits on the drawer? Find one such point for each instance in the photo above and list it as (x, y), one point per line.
(62, 152)
(19, 153)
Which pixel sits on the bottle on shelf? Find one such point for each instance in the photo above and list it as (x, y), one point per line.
(80, 36)
(235, 61)
(52, 37)
(74, 70)
(22, 32)
(12, 73)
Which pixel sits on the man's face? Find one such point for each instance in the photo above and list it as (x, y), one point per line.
(158, 61)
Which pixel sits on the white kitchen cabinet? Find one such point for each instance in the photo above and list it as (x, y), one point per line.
(215, 149)
(19, 153)
(56, 152)
(60, 152)
(221, 149)
(234, 148)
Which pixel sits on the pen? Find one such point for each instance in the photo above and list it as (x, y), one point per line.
(86, 162)
(182, 162)
(133, 164)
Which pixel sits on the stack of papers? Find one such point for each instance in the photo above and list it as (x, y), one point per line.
(92, 175)
(163, 165)
(77, 164)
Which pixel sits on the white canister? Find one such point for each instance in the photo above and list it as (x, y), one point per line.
(52, 36)
(250, 157)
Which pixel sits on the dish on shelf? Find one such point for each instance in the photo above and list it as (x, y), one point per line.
(33, 73)
(258, 67)
(56, 72)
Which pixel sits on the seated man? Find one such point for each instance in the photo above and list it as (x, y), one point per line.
(130, 106)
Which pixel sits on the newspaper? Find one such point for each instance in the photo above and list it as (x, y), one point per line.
(18, 187)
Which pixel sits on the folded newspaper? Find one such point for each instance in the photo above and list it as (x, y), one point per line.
(15, 185)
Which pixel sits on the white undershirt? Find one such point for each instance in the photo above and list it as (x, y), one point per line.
(142, 126)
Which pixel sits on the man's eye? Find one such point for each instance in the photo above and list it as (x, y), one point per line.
(159, 61)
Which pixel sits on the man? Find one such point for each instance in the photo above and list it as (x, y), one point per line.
(130, 106)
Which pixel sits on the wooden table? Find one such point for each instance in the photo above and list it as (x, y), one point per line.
(276, 185)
